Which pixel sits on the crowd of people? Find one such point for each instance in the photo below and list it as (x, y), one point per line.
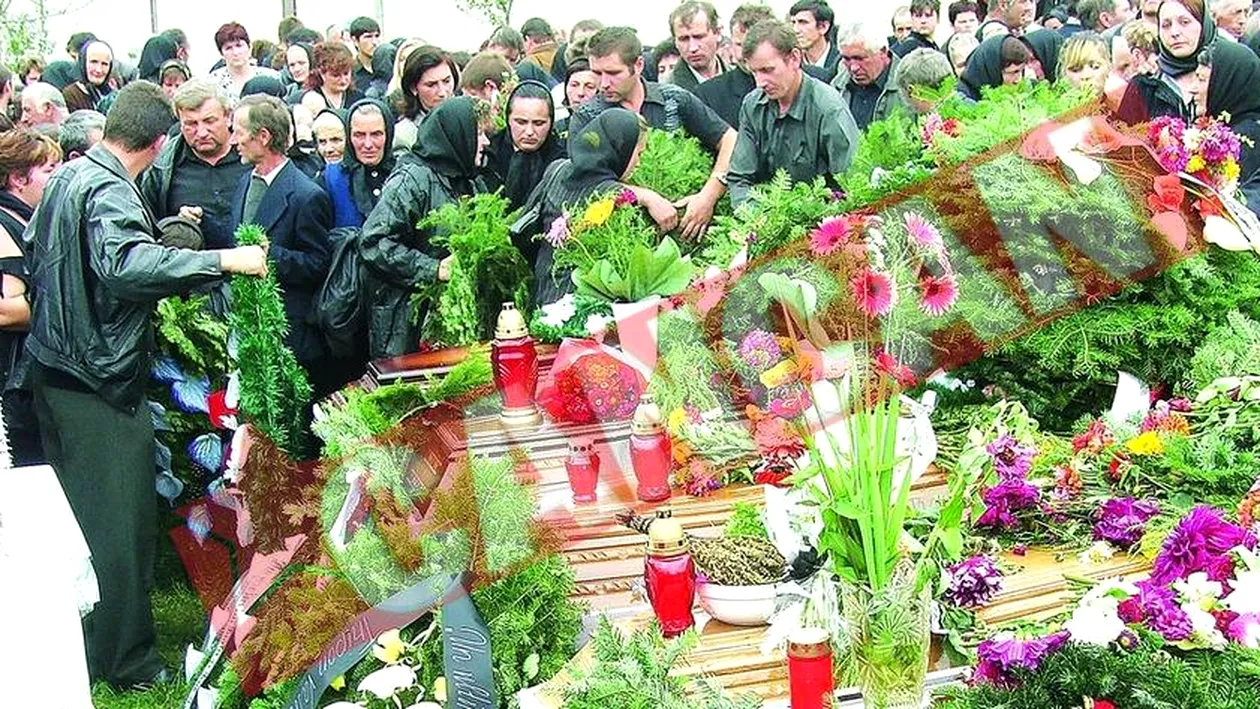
(120, 185)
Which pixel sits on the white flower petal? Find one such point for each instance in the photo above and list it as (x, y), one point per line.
(388, 681)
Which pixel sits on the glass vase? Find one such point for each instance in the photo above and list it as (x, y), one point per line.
(889, 634)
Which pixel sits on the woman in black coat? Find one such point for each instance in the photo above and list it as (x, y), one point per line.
(520, 153)
(441, 168)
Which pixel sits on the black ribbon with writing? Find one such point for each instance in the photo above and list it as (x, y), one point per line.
(465, 640)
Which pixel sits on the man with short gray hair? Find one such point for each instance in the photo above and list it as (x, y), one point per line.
(864, 78)
(1231, 16)
(80, 132)
(297, 216)
(197, 172)
(42, 104)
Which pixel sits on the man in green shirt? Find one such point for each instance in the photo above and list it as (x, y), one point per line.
(791, 121)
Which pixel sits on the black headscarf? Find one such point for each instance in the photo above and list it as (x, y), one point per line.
(263, 84)
(602, 151)
(518, 171)
(447, 141)
(1045, 46)
(172, 64)
(95, 92)
(285, 75)
(157, 51)
(1235, 84)
(350, 159)
(60, 73)
(984, 67)
(1177, 66)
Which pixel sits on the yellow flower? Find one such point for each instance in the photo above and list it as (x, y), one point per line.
(1148, 443)
(779, 374)
(599, 212)
(338, 683)
(1196, 164)
(677, 419)
(389, 647)
(1230, 170)
(439, 689)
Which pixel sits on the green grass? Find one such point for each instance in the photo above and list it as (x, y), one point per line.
(180, 621)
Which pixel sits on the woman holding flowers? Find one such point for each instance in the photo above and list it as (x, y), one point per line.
(1185, 30)
(601, 159)
(441, 168)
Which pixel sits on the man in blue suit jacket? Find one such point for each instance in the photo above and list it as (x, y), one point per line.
(296, 215)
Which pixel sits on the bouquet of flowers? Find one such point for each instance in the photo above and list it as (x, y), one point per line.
(1206, 150)
(588, 383)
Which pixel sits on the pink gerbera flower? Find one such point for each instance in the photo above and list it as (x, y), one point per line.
(939, 293)
(922, 231)
(559, 231)
(831, 234)
(874, 292)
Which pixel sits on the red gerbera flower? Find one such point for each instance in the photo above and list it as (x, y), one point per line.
(874, 292)
(886, 364)
(939, 293)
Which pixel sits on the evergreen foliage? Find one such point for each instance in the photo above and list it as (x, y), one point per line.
(274, 388)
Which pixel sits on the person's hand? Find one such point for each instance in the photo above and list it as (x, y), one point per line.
(699, 212)
(444, 268)
(245, 260)
(662, 212)
(191, 212)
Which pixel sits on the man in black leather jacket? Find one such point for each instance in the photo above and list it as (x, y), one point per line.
(98, 274)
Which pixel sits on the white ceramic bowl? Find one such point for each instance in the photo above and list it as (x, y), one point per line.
(737, 605)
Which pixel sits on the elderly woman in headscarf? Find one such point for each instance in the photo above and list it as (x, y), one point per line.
(96, 63)
(1045, 46)
(520, 153)
(602, 157)
(998, 61)
(1185, 30)
(1225, 85)
(356, 182)
(441, 168)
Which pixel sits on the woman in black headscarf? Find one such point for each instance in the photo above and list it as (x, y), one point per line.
(520, 153)
(441, 168)
(602, 156)
(1045, 46)
(355, 187)
(997, 61)
(1185, 30)
(96, 64)
(157, 51)
(1226, 88)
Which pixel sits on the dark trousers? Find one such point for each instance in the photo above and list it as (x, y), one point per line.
(104, 460)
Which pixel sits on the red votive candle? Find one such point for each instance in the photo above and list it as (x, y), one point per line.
(670, 577)
(809, 669)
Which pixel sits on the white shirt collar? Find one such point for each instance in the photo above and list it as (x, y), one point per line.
(271, 176)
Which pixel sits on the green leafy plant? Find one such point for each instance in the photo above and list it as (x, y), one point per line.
(778, 213)
(487, 270)
(274, 388)
(673, 164)
(746, 520)
(1147, 677)
(606, 230)
(190, 333)
(533, 627)
(635, 673)
(661, 271)
(685, 366)
(1230, 349)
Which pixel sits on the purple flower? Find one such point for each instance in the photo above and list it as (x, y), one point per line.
(1245, 629)
(759, 350)
(1201, 541)
(1000, 658)
(1167, 619)
(1122, 521)
(559, 231)
(1128, 639)
(1010, 459)
(1007, 497)
(972, 582)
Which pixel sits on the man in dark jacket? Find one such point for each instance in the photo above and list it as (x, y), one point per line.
(696, 33)
(924, 16)
(296, 216)
(198, 171)
(725, 93)
(616, 57)
(814, 22)
(98, 274)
